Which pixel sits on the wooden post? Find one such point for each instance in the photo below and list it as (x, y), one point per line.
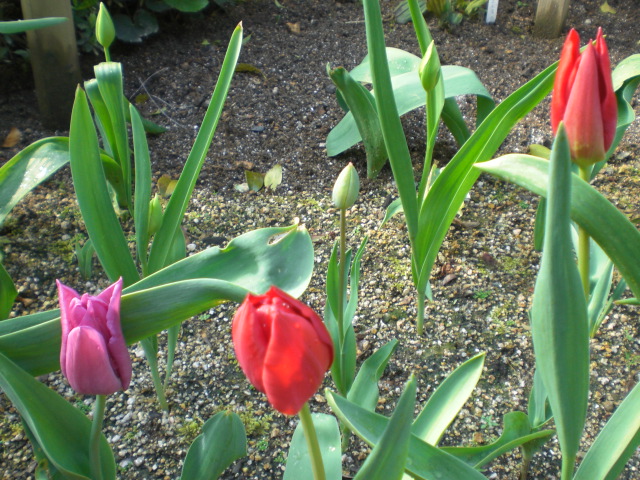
(550, 17)
(54, 61)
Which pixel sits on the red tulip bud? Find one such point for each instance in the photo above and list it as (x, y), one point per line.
(283, 348)
(94, 355)
(583, 98)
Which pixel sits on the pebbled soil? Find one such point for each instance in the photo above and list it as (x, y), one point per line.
(280, 111)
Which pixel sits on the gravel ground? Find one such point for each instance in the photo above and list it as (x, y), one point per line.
(482, 281)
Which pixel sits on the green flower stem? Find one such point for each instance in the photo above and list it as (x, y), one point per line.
(94, 439)
(583, 245)
(568, 466)
(341, 270)
(312, 443)
(420, 306)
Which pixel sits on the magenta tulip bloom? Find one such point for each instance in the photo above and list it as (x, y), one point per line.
(283, 348)
(583, 98)
(94, 355)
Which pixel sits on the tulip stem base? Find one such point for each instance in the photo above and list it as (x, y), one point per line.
(312, 443)
(94, 441)
(420, 319)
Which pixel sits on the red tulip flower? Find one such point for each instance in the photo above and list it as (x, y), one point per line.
(583, 98)
(94, 355)
(283, 348)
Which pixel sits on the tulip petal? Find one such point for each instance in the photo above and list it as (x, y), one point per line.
(608, 101)
(583, 116)
(296, 362)
(65, 295)
(88, 366)
(117, 346)
(250, 339)
(565, 75)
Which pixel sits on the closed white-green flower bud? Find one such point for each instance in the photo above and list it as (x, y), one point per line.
(155, 215)
(346, 188)
(430, 68)
(105, 30)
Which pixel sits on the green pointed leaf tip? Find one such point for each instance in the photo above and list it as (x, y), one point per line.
(560, 327)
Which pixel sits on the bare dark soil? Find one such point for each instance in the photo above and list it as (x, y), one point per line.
(279, 111)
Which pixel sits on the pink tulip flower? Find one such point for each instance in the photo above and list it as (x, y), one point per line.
(94, 355)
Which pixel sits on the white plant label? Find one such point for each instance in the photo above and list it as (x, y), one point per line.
(492, 11)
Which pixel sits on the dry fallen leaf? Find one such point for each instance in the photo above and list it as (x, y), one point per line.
(294, 27)
(12, 139)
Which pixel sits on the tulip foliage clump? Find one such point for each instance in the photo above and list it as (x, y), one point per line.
(282, 345)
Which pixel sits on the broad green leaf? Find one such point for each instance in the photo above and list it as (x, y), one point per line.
(364, 391)
(559, 319)
(29, 168)
(298, 463)
(93, 196)
(516, 433)
(389, 455)
(409, 95)
(221, 442)
(252, 262)
(589, 209)
(362, 107)
(180, 199)
(255, 180)
(61, 430)
(19, 26)
(445, 403)
(424, 460)
(616, 442)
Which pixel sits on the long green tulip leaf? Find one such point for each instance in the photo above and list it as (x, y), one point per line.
(142, 194)
(8, 293)
(362, 107)
(389, 455)
(424, 460)
(449, 189)
(516, 433)
(445, 403)
(93, 196)
(61, 430)
(589, 209)
(298, 463)
(364, 391)
(179, 200)
(559, 319)
(221, 442)
(29, 168)
(19, 26)
(252, 262)
(110, 84)
(615, 444)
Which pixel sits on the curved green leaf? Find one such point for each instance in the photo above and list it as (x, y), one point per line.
(221, 442)
(298, 463)
(424, 460)
(589, 209)
(8, 293)
(364, 390)
(445, 403)
(516, 432)
(142, 192)
(179, 200)
(29, 168)
(615, 444)
(61, 430)
(187, 5)
(388, 457)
